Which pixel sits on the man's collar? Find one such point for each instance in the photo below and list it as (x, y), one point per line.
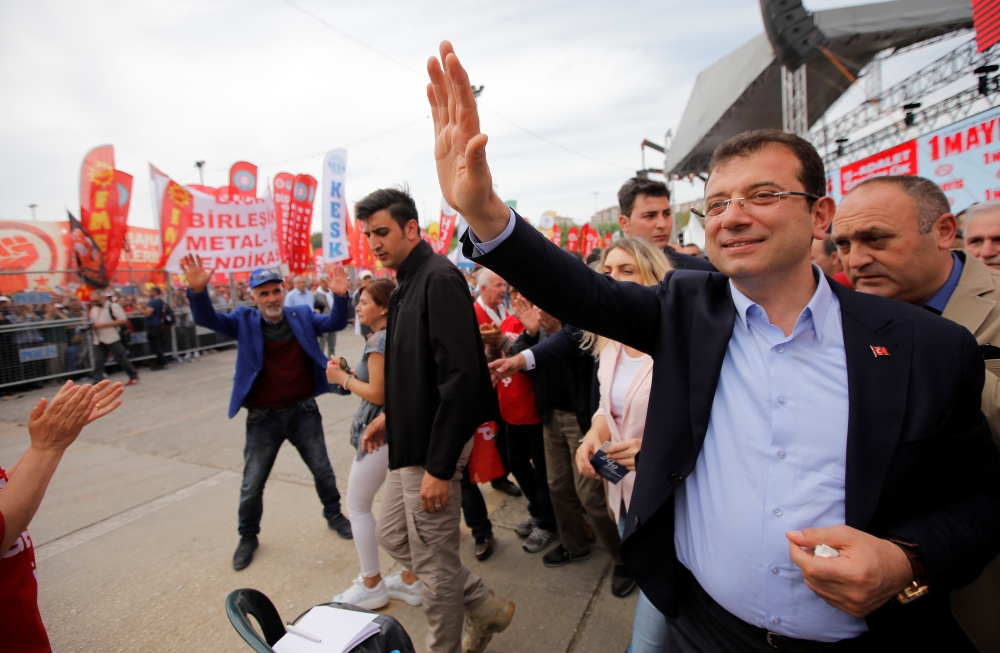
(817, 308)
(941, 297)
(420, 253)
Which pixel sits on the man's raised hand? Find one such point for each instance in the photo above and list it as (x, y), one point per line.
(195, 273)
(338, 282)
(460, 148)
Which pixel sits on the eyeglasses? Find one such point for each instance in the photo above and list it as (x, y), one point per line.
(718, 208)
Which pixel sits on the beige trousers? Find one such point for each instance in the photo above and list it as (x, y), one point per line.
(427, 545)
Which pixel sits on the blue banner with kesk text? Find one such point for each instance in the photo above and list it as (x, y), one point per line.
(334, 204)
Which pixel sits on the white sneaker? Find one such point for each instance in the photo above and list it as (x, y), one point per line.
(369, 598)
(401, 591)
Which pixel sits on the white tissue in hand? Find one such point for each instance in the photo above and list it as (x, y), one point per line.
(824, 551)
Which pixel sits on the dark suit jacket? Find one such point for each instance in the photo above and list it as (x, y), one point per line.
(920, 460)
(681, 261)
(437, 385)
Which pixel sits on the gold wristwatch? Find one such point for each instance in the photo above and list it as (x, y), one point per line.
(918, 587)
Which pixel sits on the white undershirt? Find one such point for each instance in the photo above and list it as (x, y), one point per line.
(624, 373)
(498, 316)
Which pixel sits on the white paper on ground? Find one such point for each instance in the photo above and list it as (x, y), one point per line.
(340, 630)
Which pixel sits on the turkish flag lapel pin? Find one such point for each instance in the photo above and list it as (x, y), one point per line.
(879, 351)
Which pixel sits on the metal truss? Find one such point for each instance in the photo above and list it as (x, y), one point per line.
(794, 108)
(949, 68)
(925, 121)
(931, 41)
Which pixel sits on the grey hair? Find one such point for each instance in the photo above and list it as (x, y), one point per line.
(483, 276)
(976, 209)
(930, 200)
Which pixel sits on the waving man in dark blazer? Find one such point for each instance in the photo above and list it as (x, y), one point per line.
(786, 412)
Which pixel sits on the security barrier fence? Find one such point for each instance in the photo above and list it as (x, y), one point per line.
(41, 339)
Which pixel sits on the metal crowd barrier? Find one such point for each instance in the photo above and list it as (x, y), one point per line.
(53, 349)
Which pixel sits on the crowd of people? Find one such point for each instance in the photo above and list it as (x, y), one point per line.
(788, 443)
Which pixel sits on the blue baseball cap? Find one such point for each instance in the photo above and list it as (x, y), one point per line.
(260, 276)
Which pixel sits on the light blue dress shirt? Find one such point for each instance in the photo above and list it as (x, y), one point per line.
(774, 460)
(297, 298)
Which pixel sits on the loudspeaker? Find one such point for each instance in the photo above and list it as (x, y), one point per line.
(791, 30)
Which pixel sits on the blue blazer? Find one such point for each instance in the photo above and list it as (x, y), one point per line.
(243, 325)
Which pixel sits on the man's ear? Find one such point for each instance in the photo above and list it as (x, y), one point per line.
(623, 223)
(822, 216)
(412, 230)
(945, 229)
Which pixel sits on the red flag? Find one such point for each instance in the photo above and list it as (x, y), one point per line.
(243, 181)
(573, 240)
(89, 260)
(557, 235)
(366, 259)
(103, 205)
(446, 229)
(119, 221)
(591, 240)
(300, 222)
(282, 206)
(97, 161)
(608, 239)
(353, 241)
(175, 218)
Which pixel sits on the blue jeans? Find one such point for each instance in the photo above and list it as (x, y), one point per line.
(649, 629)
(267, 429)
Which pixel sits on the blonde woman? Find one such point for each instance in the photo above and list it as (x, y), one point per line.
(624, 375)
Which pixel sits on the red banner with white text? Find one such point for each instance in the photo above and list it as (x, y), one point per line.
(282, 209)
(300, 223)
(446, 227)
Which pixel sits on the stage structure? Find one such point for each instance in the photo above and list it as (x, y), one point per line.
(791, 77)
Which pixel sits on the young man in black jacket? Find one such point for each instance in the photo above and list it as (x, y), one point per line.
(437, 392)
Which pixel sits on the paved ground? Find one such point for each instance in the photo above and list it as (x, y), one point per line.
(135, 537)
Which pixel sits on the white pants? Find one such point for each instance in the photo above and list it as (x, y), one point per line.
(367, 476)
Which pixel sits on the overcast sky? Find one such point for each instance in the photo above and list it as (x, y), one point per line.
(169, 83)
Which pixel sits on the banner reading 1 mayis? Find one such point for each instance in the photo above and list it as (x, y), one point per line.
(334, 203)
(229, 236)
(962, 158)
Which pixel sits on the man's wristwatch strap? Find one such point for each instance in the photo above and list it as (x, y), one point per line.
(918, 587)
